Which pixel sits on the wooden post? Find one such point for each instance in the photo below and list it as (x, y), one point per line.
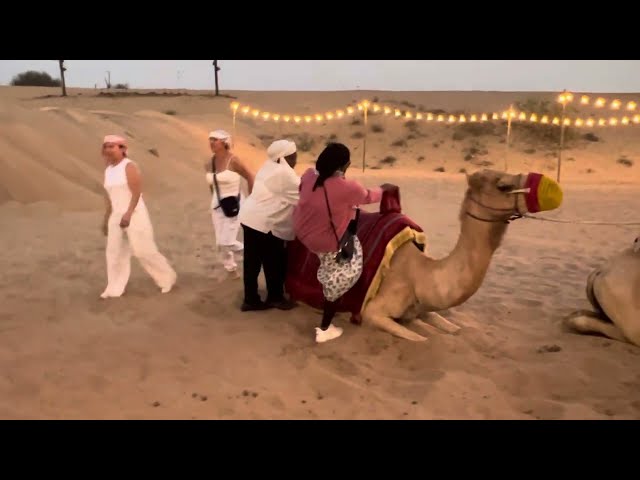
(234, 107)
(564, 106)
(62, 70)
(365, 108)
(510, 115)
(216, 69)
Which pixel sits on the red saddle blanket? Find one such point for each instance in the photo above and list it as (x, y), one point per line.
(376, 232)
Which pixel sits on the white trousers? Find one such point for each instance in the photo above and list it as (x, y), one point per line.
(137, 239)
(226, 230)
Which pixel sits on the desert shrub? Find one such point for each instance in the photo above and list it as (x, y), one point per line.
(304, 142)
(591, 137)
(32, 78)
(465, 130)
(545, 134)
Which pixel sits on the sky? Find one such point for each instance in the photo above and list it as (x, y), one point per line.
(401, 75)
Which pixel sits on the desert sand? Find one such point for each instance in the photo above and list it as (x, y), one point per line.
(67, 354)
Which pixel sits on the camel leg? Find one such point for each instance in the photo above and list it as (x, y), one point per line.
(441, 323)
(588, 322)
(389, 325)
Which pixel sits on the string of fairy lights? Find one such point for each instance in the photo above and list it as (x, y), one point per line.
(598, 102)
(511, 113)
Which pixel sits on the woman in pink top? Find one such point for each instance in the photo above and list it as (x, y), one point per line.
(327, 205)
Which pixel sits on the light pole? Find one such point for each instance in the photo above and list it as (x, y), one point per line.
(564, 98)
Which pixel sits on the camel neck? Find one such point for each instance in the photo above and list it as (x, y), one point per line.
(464, 269)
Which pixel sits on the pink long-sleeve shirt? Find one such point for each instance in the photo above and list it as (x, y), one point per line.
(311, 221)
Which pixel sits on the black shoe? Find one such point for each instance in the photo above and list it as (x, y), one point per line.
(282, 304)
(254, 307)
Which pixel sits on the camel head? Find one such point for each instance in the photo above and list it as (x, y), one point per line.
(498, 197)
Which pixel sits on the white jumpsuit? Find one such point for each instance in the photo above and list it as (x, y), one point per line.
(226, 229)
(137, 239)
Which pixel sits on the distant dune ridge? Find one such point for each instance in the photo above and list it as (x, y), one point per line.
(193, 354)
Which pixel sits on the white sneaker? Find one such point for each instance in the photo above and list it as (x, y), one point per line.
(328, 334)
(106, 294)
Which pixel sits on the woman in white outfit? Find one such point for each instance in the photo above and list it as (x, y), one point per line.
(224, 174)
(127, 223)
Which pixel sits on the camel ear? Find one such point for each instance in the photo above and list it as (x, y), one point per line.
(475, 181)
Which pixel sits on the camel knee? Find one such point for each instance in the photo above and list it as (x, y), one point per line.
(387, 324)
(588, 322)
(579, 321)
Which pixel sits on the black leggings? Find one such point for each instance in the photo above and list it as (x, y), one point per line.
(263, 250)
(328, 312)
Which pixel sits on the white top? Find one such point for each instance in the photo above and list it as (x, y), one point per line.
(115, 183)
(270, 206)
(228, 181)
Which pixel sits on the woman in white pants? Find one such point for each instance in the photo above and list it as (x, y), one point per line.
(127, 223)
(224, 173)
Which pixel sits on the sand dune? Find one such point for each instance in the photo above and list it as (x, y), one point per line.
(192, 354)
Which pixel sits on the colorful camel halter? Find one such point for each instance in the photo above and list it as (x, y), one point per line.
(541, 194)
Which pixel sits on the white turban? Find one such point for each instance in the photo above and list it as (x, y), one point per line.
(118, 140)
(221, 135)
(280, 149)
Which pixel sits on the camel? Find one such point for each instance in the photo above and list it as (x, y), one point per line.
(613, 290)
(417, 285)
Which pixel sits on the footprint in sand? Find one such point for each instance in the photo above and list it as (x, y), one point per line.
(528, 302)
(572, 267)
(549, 349)
(545, 410)
(339, 364)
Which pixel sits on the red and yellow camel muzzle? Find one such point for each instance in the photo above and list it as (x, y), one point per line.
(541, 193)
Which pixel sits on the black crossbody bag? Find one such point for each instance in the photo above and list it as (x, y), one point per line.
(346, 244)
(230, 205)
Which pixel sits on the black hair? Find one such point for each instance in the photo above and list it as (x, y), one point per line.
(334, 157)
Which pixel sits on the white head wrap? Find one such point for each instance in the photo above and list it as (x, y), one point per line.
(221, 135)
(118, 140)
(280, 149)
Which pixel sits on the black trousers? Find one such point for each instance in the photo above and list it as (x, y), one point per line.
(263, 250)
